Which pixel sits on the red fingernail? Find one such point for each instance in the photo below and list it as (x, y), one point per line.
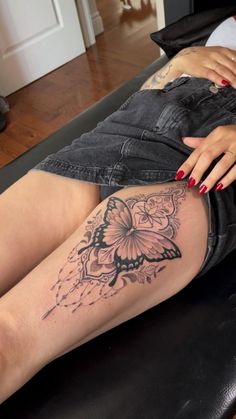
(179, 175)
(191, 182)
(225, 82)
(202, 189)
(219, 186)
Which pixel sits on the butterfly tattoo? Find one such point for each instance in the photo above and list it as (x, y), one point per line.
(117, 247)
(127, 245)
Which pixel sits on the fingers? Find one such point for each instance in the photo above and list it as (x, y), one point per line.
(230, 53)
(199, 163)
(220, 174)
(223, 74)
(220, 74)
(193, 142)
(225, 67)
(218, 64)
(206, 154)
(207, 72)
(227, 179)
(217, 174)
(221, 142)
(220, 78)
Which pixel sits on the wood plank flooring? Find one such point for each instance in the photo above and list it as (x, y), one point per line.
(50, 102)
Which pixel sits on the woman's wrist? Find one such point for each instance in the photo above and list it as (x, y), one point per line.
(172, 70)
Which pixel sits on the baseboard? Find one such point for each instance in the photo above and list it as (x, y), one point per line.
(97, 23)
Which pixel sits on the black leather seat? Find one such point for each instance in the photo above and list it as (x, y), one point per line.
(175, 361)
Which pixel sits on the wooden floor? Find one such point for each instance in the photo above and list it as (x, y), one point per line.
(50, 102)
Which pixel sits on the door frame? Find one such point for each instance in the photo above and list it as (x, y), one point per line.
(86, 22)
(90, 20)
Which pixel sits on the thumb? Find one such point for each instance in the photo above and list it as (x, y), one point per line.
(193, 142)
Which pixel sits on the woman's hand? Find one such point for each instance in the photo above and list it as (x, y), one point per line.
(217, 64)
(222, 140)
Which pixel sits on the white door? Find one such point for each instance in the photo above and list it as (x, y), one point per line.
(36, 36)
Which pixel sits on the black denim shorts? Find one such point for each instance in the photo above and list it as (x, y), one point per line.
(140, 144)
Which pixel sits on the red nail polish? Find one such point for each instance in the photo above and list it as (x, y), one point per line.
(179, 175)
(191, 182)
(202, 189)
(225, 82)
(219, 186)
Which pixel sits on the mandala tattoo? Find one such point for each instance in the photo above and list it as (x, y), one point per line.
(124, 244)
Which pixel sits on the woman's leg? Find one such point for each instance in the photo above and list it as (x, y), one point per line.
(38, 213)
(136, 249)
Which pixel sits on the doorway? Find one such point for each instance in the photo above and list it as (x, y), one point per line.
(127, 29)
(127, 13)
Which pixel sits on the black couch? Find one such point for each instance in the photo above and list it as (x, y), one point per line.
(175, 361)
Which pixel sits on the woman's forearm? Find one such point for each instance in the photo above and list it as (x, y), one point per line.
(172, 70)
(216, 64)
(159, 79)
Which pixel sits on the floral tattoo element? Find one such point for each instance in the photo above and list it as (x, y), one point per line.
(122, 246)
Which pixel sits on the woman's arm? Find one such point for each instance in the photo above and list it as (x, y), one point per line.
(217, 64)
(159, 79)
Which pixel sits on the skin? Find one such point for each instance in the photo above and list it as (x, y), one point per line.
(218, 65)
(82, 267)
(213, 63)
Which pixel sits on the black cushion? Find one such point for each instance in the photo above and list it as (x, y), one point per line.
(175, 361)
(191, 30)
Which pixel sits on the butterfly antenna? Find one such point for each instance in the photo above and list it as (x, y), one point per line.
(83, 248)
(113, 281)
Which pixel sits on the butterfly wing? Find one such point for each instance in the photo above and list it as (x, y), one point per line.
(119, 242)
(117, 221)
(144, 245)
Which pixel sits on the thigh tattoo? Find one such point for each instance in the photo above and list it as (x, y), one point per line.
(127, 243)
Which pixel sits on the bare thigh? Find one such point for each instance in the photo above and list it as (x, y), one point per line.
(38, 213)
(135, 250)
